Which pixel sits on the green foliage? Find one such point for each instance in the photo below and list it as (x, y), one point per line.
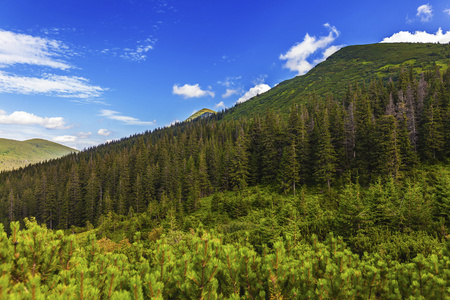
(40, 264)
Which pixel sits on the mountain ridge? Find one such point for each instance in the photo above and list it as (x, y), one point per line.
(356, 64)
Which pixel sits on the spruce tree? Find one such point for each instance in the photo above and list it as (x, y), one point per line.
(389, 160)
(432, 137)
(326, 155)
(240, 166)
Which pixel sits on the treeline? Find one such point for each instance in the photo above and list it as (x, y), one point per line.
(379, 130)
(37, 263)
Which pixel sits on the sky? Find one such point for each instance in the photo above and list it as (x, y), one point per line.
(82, 73)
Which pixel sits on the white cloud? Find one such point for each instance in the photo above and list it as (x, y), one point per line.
(425, 12)
(191, 91)
(229, 92)
(418, 37)
(219, 105)
(114, 115)
(138, 53)
(447, 11)
(84, 135)
(296, 57)
(254, 91)
(75, 138)
(229, 81)
(79, 141)
(328, 52)
(17, 48)
(173, 123)
(65, 139)
(49, 84)
(24, 118)
(104, 132)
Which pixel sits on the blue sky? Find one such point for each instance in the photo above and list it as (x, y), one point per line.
(84, 72)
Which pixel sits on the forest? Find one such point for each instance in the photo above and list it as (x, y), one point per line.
(346, 196)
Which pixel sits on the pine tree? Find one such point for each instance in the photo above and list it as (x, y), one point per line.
(365, 149)
(240, 167)
(432, 135)
(326, 155)
(389, 160)
(203, 177)
(303, 146)
(75, 204)
(411, 116)
(350, 135)
(271, 148)
(408, 156)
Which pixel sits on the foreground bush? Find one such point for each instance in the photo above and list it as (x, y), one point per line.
(37, 263)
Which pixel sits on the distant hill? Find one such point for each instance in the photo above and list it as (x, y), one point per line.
(350, 65)
(16, 154)
(205, 112)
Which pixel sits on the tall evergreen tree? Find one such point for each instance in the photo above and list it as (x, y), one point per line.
(432, 137)
(389, 160)
(240, 167)
(326, 155)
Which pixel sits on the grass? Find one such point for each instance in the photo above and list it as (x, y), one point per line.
(17, 154)
(201, 113)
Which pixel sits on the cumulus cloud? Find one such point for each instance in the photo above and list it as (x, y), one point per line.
(297, 57)
(418, 37)
(49, 84)
(114, 115)
(84, 135)
(191, 91)
(65, 139)
(229, 92)
(447, 11)
(103, 132)
(17, 48)
(219, 105)
(74, 138)
(24, 118)
(328, 52)
(254, 91)
(425, 12)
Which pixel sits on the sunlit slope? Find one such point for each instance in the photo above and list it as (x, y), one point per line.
(205, 112)
(16, 154)
(349, 65)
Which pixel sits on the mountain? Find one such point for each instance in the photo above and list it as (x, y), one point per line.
(205, 112)
(16, 154)
(350, 65)
(355, 180)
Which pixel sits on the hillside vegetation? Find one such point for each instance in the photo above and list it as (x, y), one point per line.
(343, 194)
(17, 154)
(349, 66)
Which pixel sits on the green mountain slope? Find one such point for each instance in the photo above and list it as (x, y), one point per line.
(205, 112)
(16, 154)
(351, 64)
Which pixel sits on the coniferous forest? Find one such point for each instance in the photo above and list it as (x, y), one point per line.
(345, 197)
